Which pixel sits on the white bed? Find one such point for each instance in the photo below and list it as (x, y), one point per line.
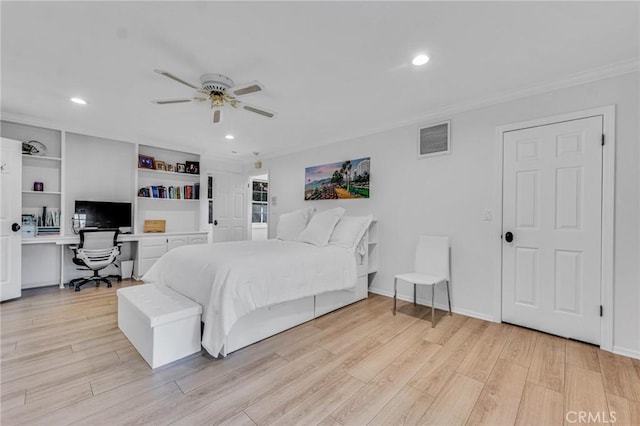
(250, 290)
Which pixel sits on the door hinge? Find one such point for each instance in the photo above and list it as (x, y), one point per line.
(603, 139)
(601, 310)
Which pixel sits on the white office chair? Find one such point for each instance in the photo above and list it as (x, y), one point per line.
(431, 268)
(98, 249)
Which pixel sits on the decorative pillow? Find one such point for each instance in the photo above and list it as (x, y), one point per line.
(321, 226)
(290, 225)
(349, 231)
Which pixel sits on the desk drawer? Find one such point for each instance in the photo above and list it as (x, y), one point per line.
(153, 251)
(153, 241)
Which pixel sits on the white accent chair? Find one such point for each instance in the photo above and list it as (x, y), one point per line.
(431, 269)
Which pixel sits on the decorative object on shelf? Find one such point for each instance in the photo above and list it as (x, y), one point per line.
(344, 179)
(38, 186)
(28, 225)
(151, 225)
(434, 139)
(146, 162)
(180, 167)
(170, 168)
(34, 148)
(193, 167)
(161, 165)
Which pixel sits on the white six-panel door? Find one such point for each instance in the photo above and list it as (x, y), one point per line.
(229, 207)
(10, 216)
(552, 198)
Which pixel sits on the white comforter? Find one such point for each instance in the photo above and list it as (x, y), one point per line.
(232, 279)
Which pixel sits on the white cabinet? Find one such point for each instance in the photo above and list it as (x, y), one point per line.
(173, 242)
(198, 239)
(150, 249)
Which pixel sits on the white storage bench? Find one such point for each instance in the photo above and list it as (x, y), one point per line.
(163, 325)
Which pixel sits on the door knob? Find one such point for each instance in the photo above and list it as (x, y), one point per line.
(215, 223)
(508, 237)
(15, 227)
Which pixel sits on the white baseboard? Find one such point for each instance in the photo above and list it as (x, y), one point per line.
(440, 306)
(626, 352)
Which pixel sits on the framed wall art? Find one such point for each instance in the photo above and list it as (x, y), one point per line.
(344, 179)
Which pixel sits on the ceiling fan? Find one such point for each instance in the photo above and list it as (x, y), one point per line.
(219, 90)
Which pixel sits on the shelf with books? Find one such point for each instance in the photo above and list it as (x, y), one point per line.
(168, 199)
(177, 192)
(165, 190)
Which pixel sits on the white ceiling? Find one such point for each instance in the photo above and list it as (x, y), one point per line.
(331, 70)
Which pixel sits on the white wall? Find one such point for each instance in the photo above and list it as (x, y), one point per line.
(447, 195)
(97, 169)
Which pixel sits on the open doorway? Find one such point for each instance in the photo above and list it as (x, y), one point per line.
(259, 207)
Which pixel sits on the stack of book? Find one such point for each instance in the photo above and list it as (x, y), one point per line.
(187, 192)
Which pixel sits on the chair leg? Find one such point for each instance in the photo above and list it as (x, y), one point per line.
(433, 306)
(395, 295)
(449, 297)
(414, 294)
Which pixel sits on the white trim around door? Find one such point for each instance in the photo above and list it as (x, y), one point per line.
(608, 210)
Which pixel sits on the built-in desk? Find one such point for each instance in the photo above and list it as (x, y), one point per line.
(150, 246)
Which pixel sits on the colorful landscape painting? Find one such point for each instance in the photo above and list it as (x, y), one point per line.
(345, 179)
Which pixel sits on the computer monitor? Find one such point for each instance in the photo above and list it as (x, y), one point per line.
(102, 214)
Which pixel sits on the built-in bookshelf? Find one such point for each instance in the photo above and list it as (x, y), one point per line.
(41, 178)
(168, 187)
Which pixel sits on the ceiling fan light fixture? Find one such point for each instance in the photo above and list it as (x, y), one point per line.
(78, 101)
(220, 91)
(420, 60)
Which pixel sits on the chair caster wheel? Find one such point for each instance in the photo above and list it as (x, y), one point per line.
(77, 288)
(109, 285)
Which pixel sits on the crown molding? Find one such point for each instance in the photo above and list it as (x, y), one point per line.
(602, 73)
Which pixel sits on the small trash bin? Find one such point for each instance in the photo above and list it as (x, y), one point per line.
(126, 268)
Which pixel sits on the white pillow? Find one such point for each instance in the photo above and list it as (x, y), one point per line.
(290, 225)
(349, 231)
(321, 226)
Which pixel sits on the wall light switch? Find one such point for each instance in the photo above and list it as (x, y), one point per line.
(487, 215)
(274, 200)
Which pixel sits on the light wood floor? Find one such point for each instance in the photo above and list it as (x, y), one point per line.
(64, 361)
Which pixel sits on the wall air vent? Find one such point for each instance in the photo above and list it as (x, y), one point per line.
(434, 139)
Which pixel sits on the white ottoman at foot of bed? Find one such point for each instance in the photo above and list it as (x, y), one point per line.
(163, 325)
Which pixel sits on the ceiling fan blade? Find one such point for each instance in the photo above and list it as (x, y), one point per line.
(217, 115)
(246, 88)
(173, 77)
(257, 110)
(171, 101)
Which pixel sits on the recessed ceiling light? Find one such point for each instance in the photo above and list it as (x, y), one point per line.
(230, 137)
(78, 101)
(420, 60)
